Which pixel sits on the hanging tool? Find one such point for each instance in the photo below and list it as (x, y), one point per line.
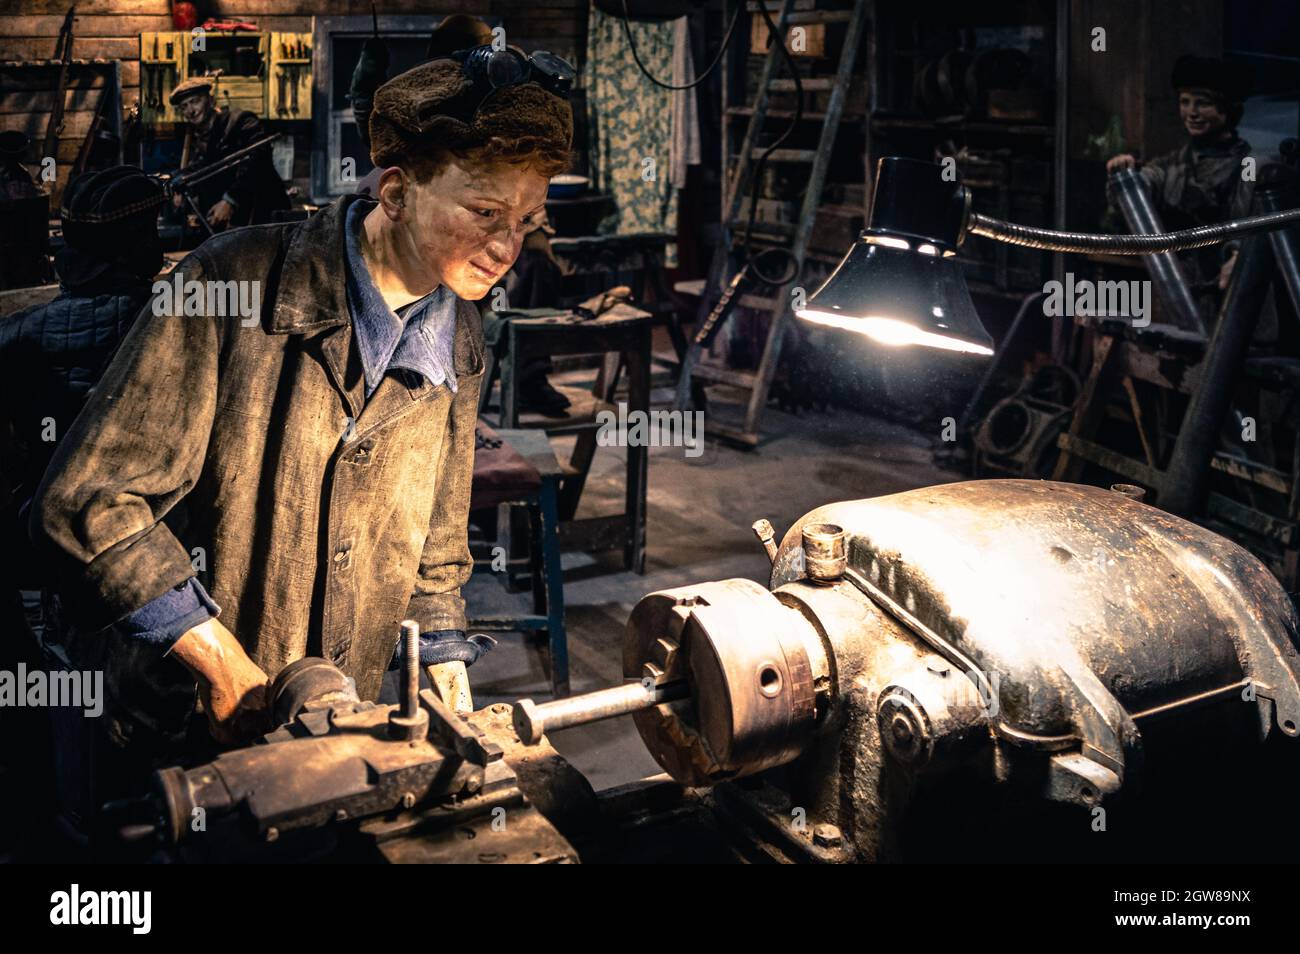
(281, 78)
(99, 139)
(156, 76)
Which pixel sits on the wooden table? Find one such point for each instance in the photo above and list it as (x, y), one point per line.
(622, 334)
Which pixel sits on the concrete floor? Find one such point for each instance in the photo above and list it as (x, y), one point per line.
(698, 529)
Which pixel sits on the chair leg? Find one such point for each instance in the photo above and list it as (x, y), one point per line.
(489, 378)
(536, 548)
(554, 590)
(509, 365)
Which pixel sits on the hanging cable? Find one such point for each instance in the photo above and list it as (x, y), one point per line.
(726, 41)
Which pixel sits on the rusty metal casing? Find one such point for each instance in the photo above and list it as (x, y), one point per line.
(1030, 628)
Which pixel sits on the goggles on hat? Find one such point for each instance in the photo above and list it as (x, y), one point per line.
(490, 69)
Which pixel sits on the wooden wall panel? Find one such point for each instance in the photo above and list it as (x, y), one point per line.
(1131, 79)
(93, 7)
(83, 25)
(110, 29)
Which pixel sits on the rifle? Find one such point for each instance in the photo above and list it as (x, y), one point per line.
(62, 53)
(183, 182)
(94, 148)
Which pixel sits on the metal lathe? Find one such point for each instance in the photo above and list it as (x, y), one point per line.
(972, 664)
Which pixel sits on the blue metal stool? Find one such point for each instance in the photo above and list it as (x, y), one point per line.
(544, 557)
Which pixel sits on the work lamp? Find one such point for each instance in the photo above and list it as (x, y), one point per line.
(900, 282)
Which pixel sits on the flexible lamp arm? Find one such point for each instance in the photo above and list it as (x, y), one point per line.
(901, 282)
(1083, 242)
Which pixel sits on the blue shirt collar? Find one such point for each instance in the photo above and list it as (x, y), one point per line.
(422, 343)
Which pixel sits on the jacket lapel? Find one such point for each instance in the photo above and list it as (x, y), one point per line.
(311, 297)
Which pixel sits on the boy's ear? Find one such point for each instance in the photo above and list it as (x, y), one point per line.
(392, 191)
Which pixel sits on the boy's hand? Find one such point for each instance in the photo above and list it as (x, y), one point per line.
(233, 688)
(1122, 161)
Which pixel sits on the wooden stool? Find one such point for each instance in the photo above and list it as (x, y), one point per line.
(544, 557)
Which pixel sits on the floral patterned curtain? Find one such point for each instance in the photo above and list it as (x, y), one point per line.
(630, 125)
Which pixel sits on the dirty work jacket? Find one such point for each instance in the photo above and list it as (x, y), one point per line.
(323, 522)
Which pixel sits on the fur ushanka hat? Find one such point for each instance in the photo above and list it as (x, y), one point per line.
(437, 105)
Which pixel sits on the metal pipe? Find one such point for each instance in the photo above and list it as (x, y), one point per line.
(1277, 192)
(1166, 271)
(1183, 486)
(532, 721)
(766, 536)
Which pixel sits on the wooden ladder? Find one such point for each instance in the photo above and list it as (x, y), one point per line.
(724, 264)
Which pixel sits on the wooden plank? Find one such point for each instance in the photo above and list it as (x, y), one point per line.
(1248, 518)
(14, 300)
(100, 7)
(1139, 422)
(1086, 414)
(785, 155)
(102, 25)
(1083, 449)
(64, 156)
(42, 101)
(810, 84)
(108, 47)
(18, 79)
(75, 125)
(1268, 477)
(738, 379)
(234, 9)
(66, 153)
(284, 24)
(736, 435)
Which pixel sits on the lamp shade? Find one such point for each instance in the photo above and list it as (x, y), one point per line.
(900, 282)
(898, 296)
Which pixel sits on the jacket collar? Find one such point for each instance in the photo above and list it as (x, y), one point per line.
(311, 296)
(312, 291)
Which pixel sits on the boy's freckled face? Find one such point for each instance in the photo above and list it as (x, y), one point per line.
(468, 222)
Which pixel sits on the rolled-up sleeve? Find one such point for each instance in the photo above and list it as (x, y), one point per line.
(165, 619)
(134, 451)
